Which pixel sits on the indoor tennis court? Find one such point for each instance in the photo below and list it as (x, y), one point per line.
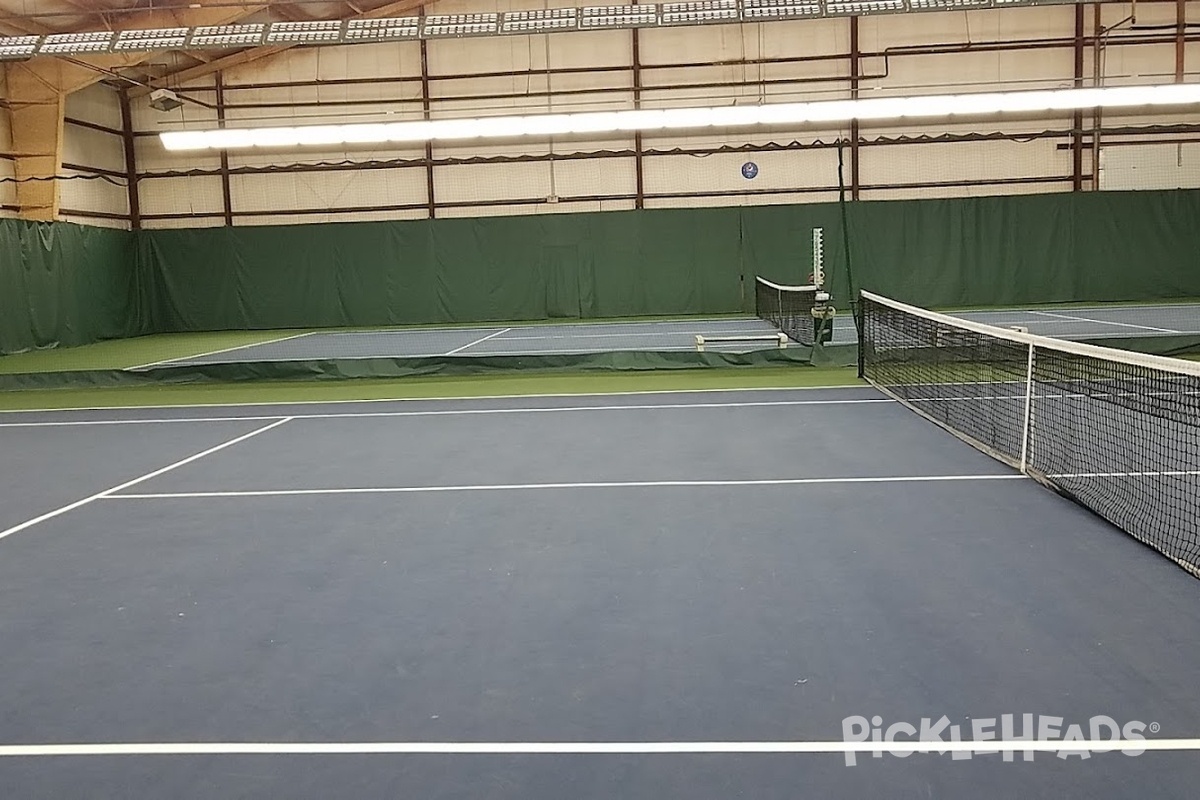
(529, 400)
(729, 335)
(741, 568)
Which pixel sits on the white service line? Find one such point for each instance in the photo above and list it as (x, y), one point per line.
(593, 748)
(448, 412)
(191, 357)
(101, 495)
(500, 487)
(1057, 315)
(478, 341)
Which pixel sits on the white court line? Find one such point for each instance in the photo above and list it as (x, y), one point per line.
(101, 495)
(466, 412)
(686, 332)
(441, 398)
(1177, 473)
(542, 352)
(534, 325)
(592, 748)
(189, 358)
(1103, 322)
(478, 341)
(500, 487)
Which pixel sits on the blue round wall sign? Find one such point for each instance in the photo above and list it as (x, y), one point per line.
(749, 170)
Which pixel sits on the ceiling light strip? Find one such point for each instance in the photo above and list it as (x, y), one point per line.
(777, 114)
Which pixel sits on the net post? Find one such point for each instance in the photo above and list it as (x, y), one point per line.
(860, 323)
(1027, 419)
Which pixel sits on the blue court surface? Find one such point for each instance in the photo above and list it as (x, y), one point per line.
(671, 335)
(700, 595)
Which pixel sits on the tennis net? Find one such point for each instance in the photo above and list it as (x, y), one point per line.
(788, 308)
(1118, 432)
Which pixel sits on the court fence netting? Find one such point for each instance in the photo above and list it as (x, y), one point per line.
(1116, 431)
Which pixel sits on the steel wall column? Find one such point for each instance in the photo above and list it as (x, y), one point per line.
(430, 198)
(1180, 38)
(131, 173)
(639, 198)
(1097, 80)
(854, 129)
(226, 194)
(1077, 117)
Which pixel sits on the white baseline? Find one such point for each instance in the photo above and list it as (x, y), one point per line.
(588, 748)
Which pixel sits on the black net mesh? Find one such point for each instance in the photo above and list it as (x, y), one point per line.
(788, 308)
(1117, 432)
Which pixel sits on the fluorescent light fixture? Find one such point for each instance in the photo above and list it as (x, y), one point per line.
(18, 46)
(824, 111)
(600, 17)
(382, 30)
(755, 10)
(863, 7)
(948, 5)
(311, 32)
(227, 35)
(699, 13)
(553, 19)
(151, 39)
(71, 43)
(544, 21)
(440, 25)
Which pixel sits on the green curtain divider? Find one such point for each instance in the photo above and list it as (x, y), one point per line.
(342, 369)
(63, 284)
(1018, 250)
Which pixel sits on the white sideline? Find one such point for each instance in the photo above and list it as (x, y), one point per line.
(499, 487)
(191, 356)
(591, 748)
(448, 412)
(101, 495)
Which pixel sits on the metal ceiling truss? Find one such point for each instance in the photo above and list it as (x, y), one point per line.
(441, 26)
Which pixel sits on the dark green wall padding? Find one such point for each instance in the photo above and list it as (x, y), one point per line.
(63, 284)
(69, 285)
(1127, 246)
